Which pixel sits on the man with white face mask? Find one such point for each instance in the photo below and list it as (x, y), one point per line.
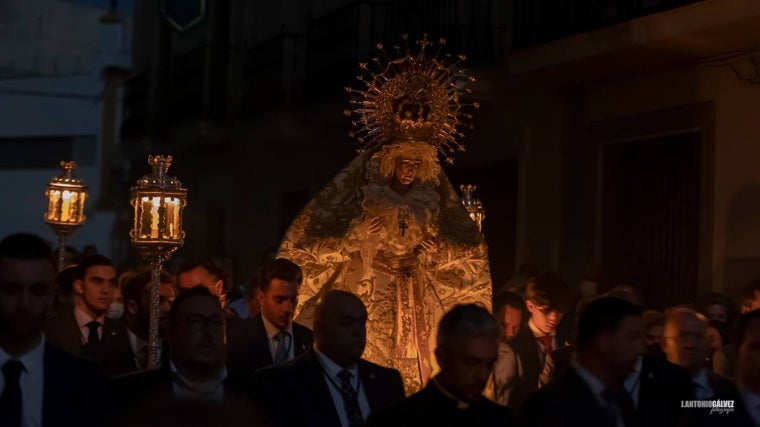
(116, 308)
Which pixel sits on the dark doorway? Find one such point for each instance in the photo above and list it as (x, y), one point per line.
(497, 189)
(650, 215)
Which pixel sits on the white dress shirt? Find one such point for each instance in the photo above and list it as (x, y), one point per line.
(273, 330)
(701, 386)
(331, 371)
(537, 333)
(597, 388)
(136, 344)
(185, 389)
(31, 383)
(83, 319)
(633, 381)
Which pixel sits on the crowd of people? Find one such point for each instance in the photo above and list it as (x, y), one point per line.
(74, 351)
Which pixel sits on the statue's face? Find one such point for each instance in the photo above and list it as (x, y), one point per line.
(407, 169)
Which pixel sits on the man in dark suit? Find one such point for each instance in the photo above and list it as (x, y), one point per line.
(271, 336)
(40, 385)
(329, 385)
(684, 342)
(547, 300)
(591, 393)
(468, 342)
(196, 371)
(84, 330)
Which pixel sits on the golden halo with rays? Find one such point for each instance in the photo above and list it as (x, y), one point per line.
(414, 97)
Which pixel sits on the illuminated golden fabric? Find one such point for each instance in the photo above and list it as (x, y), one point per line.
(428, 256)
(406, 291)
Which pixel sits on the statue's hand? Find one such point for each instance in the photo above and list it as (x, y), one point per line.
(375, 225)
(428, 246)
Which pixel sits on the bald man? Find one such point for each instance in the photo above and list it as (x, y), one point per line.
(330, 385)
(684, 342)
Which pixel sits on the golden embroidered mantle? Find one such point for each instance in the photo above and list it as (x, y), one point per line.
(406, 290)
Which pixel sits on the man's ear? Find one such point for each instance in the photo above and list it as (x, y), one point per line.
(440, 356)
(131, 307)
(219, 287)
(260, 296)
(78, 289)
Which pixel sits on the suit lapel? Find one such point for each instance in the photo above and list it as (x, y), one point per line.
(301, 339)
(71, 337)
(318, 392)
(52, 388)
(368, 378)
(261, 343)
(647, 386)
(585, 399)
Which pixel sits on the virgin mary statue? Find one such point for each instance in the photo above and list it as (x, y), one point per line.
(390, 227)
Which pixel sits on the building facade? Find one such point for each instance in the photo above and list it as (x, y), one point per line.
(636, 123)
(62, 68)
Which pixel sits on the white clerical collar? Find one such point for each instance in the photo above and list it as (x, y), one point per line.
(536, 332)
(32, 359)
(273, 330)
(83, 318)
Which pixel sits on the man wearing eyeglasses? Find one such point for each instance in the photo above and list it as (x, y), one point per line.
(547, 300)
(196, 372)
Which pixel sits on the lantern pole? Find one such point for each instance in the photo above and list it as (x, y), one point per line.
(155, 304)
(158, 200)
(61, 250)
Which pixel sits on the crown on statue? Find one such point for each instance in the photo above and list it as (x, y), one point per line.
(415, 97)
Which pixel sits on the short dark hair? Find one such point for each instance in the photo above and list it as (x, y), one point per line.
(603, 315)
(252, 287)
(89, 262)
(65, 280)
(747, 293)
(470, 320)
(281, 268)
(195, 291)
(550, 291)
(507, 299)
(208, 265)
(745, 320)
(27, 247)
(136, 285)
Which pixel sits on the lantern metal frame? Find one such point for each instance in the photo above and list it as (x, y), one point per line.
(472, 205)
(65, 221)
(157, 233)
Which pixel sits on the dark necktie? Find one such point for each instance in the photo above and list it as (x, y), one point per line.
(350, 399)
(546, 341)
(283, 347)
(10, 400)
(92, 337)
(619, 401)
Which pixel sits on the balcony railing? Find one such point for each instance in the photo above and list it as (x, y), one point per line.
(540, 21)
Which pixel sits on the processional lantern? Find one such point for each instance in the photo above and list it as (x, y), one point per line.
(66, 195)
(473, 206)
(158, 200)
